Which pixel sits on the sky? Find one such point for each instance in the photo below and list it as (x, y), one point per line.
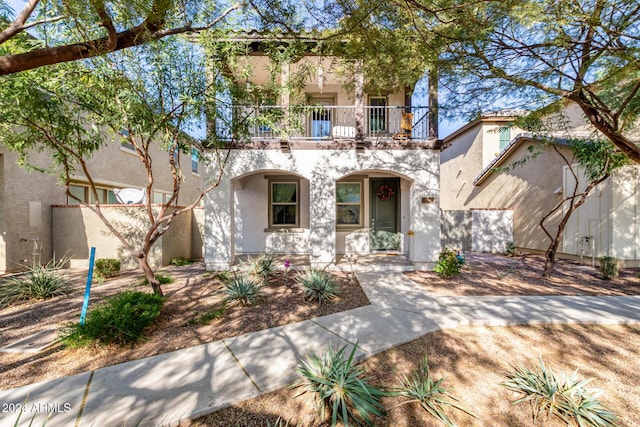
(446, 127)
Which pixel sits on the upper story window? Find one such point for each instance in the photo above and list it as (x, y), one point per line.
(195, 161)
(505, 137)
(124, 141)
(378, 114)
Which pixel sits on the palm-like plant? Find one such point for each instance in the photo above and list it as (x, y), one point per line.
(339, 386)
(242, 290)
(564, 396)
(433, 397)
(318, 285)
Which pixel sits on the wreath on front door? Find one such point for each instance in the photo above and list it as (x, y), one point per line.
(385, 192)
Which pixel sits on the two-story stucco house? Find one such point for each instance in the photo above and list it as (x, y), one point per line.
(346, 171)
(487, 169)
(38, 221)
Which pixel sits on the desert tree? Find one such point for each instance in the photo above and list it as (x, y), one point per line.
(149, 98)
(71, 30)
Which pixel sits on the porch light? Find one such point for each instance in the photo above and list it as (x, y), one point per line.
(410, 233)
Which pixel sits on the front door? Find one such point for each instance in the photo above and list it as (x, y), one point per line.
(385, 203)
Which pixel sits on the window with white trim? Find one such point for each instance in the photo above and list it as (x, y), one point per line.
(349, 204)
(195, 160)
(505, 137)
(284, 203)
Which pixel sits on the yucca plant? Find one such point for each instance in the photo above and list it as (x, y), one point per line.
(242, 290)
(38, 282)
(261, 266)
(340, 387)
(432, 396)
(318, 285)
(565, 396)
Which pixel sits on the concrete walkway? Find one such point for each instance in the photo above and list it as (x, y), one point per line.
(174, 387)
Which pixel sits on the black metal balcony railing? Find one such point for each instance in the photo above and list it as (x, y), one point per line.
(320, 123)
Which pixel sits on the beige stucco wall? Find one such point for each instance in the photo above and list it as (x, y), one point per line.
(26, 196)
(25, 210)
(76, 229)
(527, 189)
(115, 166)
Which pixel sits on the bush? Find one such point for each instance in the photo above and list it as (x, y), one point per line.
(163, 279)
(421, 388)
(181, 261)
(608, 267)
(39, 282)
(207, 317)
(106, 268)
(318, 285)
(565, 397)
(449, 264)
(511, 249)
(340, 387)
(120, 319)
(242, 290)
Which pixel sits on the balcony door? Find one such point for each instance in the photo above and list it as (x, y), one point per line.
(321, 117)
(377, 114)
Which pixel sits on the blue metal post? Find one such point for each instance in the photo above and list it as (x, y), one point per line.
(87, 291)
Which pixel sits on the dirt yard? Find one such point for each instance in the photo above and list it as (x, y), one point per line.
(471, 359)
(183, 322)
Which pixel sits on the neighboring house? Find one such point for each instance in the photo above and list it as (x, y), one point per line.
(520, 193)
(38, 222)
(356, 173)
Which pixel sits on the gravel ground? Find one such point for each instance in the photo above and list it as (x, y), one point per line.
(192, 295)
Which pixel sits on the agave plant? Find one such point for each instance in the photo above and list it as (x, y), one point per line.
(261, 266)
(39, 282)
(433, 397)
(242, 290)
(565, 396)
(318, 285)
(340, 387)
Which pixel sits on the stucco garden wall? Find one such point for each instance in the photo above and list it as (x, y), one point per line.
(76, 229)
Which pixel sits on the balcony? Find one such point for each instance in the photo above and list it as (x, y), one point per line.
(320, 123)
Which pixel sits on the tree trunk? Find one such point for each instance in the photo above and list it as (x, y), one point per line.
(143, 261)
(550, 257)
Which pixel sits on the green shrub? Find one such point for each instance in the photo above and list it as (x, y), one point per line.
(318, 285)
(608, 267)
(511, 249)
(449, 264)
(181, 261)
(339, 387)
(39, 282)
(163, 279)
(106, 268)
(242, 290)
(421, 388)
(565, 397)
(207, 317)
(120, 319)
